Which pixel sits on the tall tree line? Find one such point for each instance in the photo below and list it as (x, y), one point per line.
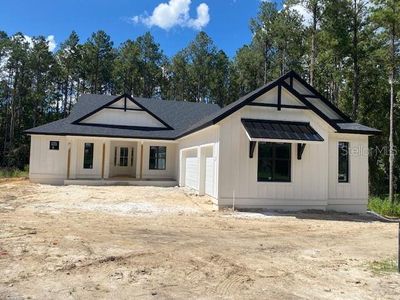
(348, 49)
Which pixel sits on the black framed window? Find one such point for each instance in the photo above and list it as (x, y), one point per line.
(123, 156)
(54, 145)
(157, 159)
(274, 162)
(343, 161)
(88, 156)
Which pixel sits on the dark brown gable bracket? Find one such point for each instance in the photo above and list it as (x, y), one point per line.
(251, 149)
(300, 150)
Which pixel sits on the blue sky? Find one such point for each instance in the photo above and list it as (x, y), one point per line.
(174, 24)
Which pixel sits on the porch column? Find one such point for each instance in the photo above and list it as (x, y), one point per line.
(73, 155)
(139, 165)
(107, 158)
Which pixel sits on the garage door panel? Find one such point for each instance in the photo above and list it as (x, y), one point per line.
(192, 173)
(209, 178)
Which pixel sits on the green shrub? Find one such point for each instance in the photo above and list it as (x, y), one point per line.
(14, 172)
(384, 207)
(384, 266)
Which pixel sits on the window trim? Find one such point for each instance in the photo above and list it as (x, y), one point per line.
(54, 149)
(290, 179)
(157, 158)
(123, 157)
(348, 162)
(90, 167)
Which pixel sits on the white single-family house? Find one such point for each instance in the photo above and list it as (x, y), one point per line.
(283, 146)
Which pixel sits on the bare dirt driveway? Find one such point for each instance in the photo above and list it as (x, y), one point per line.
(75, 242)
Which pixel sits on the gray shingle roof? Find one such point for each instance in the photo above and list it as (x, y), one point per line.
(180, 115)
(183, 117)
(356, 127)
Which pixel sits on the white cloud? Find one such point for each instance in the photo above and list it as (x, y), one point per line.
(304, 12)
(51, 41)
(175, 13)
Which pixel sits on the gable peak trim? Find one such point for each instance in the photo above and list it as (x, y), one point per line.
(117, 98)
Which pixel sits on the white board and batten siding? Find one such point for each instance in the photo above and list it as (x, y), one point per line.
(119, 117)
(209, 176)
(351, 196)
(133, 116)
(238, 178)
(314, 178)
(169, 172)
(47, 165)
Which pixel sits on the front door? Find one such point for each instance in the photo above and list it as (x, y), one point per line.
(124, 161)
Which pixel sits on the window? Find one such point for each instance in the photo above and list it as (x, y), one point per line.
(343, 159)
(274, 162)
(157, 157)
(88, 156)
(123, 156)
(54, 145)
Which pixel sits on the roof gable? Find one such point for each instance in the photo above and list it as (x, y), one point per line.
(304, 96)
(123, 111)
(168, 119)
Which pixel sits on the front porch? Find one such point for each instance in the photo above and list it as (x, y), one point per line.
(161, 182)
(113, 161)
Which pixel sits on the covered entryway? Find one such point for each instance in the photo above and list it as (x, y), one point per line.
(123, 157)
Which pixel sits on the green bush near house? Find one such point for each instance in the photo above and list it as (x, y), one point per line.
(14, 172)
(384, 207)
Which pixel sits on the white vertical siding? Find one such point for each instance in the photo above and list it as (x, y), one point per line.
(95, 172)
(170, 167)
(123, 118)
(238, 173)
(47, 165)
(351, 196)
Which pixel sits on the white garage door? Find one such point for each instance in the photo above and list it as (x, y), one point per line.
(192, 173)
(209, 188)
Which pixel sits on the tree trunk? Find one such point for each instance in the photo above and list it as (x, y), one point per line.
(356, 68)
(65, 95)
(265, 61)
(391, 150)
(392, 96)
(313, 43)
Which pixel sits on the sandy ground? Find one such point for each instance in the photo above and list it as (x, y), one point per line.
(120, 242)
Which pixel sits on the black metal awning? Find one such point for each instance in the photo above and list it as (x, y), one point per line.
(280, 130)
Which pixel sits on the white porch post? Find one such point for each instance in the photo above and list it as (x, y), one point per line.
(72, 145)
(107, 158)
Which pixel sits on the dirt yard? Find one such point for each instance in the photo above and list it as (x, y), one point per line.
(74, 242)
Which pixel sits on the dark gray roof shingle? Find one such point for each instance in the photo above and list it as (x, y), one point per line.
(356, 127)
(183, 117)
(180, 115)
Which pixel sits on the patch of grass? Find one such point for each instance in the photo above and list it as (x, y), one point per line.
(13, 172)
(384, 207)
(383, 266)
